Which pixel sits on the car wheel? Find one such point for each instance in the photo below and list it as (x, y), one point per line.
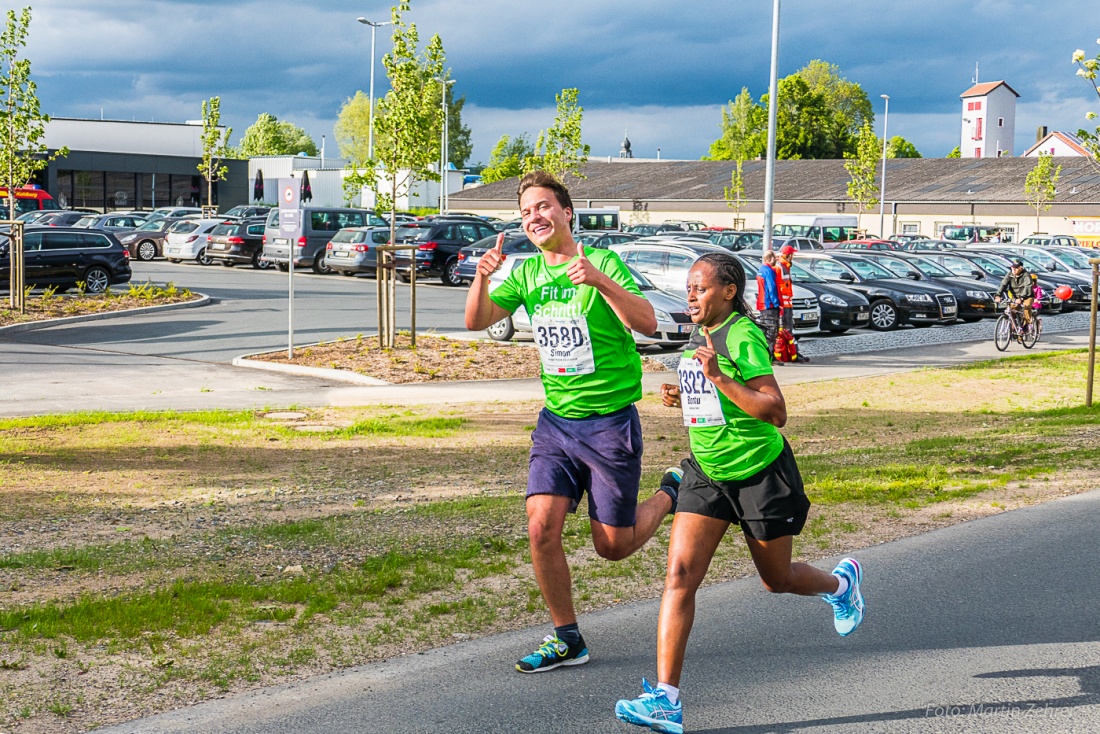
(321, 267)
(226, 264)
(450, 273)
(259, 262)
(146, 250)
(502, 330)
(96, 279)
(202, 258)
(884, 316)
(282, 266)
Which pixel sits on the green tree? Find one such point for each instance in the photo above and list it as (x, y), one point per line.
(735, 192)
(847, 105)
(955, 153)
(744, 130)
(1086, 69)
(215, 146)
(269, 136)
(296, 140)
(507, 158)
(862, 188)
(23, 126)
(560, 149)
(1041, 185)
(801, 121)
(22, 122)
(899, 147)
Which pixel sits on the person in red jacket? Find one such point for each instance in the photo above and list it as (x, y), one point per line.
(786, 293)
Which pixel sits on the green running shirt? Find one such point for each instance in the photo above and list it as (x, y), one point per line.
(590, 363)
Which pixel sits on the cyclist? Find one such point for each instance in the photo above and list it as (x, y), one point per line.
(1018, 286)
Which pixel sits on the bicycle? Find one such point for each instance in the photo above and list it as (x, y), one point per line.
(1010, 326)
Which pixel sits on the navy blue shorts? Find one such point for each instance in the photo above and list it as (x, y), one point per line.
(601, 455)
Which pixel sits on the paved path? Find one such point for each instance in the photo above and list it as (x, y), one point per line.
(988, 626)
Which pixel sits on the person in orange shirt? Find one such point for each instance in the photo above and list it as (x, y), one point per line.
(786, 293)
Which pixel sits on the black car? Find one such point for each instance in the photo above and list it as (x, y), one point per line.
(64, 257)
(238, 243)
(841, 307)
(247, 212)
(894, 301)
(987, 271)
(975, 302)
(437, 245)
(603, 240)
(65, 218)
(735, 240)
(469, 257)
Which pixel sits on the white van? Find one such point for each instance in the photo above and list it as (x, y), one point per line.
(828, 229)
(596, 220)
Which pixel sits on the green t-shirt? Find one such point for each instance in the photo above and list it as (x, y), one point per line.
(743, 445)
(590, 363)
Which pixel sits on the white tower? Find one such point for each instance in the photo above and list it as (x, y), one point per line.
(988, 120)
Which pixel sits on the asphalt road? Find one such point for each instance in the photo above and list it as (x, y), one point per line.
(988, 626)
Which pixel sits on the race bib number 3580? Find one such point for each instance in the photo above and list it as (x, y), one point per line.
(564, 345)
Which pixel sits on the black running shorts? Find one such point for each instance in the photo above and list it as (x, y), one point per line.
(768, 505)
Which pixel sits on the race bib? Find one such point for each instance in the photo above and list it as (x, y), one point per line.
(564, 345)
(698, 396)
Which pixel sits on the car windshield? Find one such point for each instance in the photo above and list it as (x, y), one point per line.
(640, 280)
(1072, 258)
(931, 269)
(346, 235)
(899, 268)
(414, 234)
(996, 266)
(226, 228)
(589, 238)
(959, 265)
(86, 222)
(869, 270)
(183, 227)
(153, 225)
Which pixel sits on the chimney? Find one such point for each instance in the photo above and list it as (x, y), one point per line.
(1040, 133)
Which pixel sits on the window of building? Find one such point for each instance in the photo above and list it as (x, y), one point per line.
(910, 227)
(977, 152)
(978, 105)
(1008, 230)
(978, 129)
(1000, 122)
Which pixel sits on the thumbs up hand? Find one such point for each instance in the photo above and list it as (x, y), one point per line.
(583, 271)
(708, 358)
(491, 260)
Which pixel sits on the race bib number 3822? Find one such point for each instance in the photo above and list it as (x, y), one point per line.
(564, 345)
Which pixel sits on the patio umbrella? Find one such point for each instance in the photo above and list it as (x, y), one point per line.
(307, 192)
(258, 187)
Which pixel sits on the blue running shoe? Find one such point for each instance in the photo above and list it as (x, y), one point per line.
(847, 607)
(553, 653)
(652, 709)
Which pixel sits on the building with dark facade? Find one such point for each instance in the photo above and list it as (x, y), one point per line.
(115, 164)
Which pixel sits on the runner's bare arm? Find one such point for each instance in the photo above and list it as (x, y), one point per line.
(634, 311)
(481, 312)
(760, 397)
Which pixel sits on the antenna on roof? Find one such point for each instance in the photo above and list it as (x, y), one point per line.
(975, 79)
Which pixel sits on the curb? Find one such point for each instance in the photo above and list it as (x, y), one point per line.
(47, 323)
(293, 369)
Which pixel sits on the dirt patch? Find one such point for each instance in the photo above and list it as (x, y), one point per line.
(43, 308)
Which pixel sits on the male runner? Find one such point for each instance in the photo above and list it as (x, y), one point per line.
(588, 437)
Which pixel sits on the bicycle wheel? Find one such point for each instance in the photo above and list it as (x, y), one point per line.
(1002, 333)
(1032, 335)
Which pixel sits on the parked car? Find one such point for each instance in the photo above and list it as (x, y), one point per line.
(687, 225)
(987, 271)
(867, 244)
(186, 240)
(841, 308)
(644, 230)
(248, 212)
(1051, 260)
(438, 243)
(736, 240)
(64, 257)
(603, 240)
(318, 226)
(802, 244)
(175, 212)
(894, 301)
(1042, 239)
(238, 242)
(666, 265)
(146, 242)
(354, 250)
(975, 303)
(908, 237)
(674, 326)
(65, 218)
(114, 223)
(470, 256)
(34, 215)
(1081, 284)
(926, 244)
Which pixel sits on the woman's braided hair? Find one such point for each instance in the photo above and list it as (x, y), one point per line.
(729, 271)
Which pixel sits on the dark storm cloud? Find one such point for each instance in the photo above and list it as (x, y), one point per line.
(660, 70)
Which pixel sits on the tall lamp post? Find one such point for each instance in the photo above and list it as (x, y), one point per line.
(882, 192)
(444, 83)
(374, 26)
(769, 169)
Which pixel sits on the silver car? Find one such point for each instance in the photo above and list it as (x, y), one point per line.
(354, 249)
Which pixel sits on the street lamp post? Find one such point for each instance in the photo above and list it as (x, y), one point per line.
(773, 93)
(882, 192)
(444, 83)
(374, 26)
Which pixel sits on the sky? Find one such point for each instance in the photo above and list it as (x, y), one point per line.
(656, 71)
